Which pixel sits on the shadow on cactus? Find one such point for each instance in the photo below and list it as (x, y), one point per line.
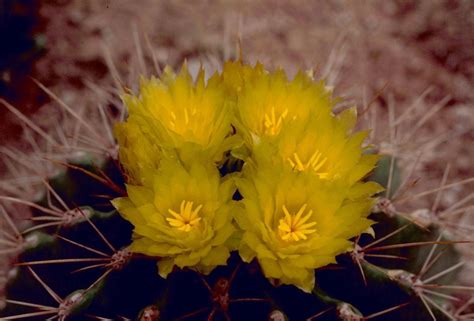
(239, 197)
(23, 42)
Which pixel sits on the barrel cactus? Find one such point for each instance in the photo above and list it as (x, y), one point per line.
(241, 196)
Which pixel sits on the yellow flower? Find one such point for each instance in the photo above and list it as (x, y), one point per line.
(293, 222)
(138, 153)
(323, 145)
(184, 217)
(176, 111)
(268, 102)
(303, 199)
(236, 74)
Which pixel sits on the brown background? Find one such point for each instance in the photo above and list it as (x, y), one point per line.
(382, 54)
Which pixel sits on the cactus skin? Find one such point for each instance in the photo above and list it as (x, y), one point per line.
(134, 290)
(381, 173)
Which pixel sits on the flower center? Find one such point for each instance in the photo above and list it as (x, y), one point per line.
(272, 123)
(187, 114)
(187, 218)
(315, 162)
(294, 227)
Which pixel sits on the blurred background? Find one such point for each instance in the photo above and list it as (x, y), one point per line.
(407, 65)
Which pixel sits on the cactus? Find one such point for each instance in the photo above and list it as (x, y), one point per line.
(75, 262)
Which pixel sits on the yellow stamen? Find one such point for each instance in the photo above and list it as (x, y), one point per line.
(315, 162)
(272, 123)
(182, 124)
(294, 227)
(186, 116)
(187, 218)
(173, 120)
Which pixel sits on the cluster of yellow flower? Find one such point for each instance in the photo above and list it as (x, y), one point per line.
(301, 194)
